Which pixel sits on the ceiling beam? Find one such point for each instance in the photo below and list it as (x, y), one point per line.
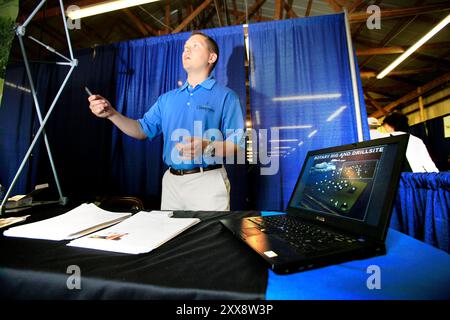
(167, 16)
(260, 18)
(180, 15)
(358, 27)
(278, 12)
(227, 13)
(192, 16)
(355, 17)
(235, 10)
(391, 88)
(405, 80)
(287, 4)
(395, 31)
(355, 5)
(404, 84)
(362, 16)
(91, 31)
(387, 95)
(153, 31)
(189, 10)
(415, 93)
(61, 38)
(334, 5)
(290, 12)
(375, 103)
(93, 38)
(219, 13)
(436, 62)
(156, 32)
(54, 11)
(372, 74)
(252, 10)
(400, 49)
(258, 15)
(308, 8)
(208, 16)
(126, 27)
(136, 21)
(383, 99)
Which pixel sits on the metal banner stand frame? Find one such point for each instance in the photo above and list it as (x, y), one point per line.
(72, 62)
(351, 61)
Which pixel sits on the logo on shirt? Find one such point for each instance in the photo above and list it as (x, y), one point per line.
(205, 107)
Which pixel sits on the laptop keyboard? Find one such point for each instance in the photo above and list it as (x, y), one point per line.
(306, 238)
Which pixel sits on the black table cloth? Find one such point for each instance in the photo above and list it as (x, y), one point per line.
(204, 262)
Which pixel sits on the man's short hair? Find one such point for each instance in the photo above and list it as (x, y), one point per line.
(212, 45)
(398, 121)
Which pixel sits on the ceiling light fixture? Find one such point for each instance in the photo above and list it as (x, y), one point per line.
(103, 7)
(309, 97)
(306, 126)
(285, 140)
(336, 113)
(312, 133)
(441, 25)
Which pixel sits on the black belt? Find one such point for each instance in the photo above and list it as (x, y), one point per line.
(195, 170)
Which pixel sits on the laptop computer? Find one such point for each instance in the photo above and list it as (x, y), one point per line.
(339, 210)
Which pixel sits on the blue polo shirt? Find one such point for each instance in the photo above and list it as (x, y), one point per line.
(210, 110)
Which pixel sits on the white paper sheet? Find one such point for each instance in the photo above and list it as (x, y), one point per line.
(140, 233)
(77, 222)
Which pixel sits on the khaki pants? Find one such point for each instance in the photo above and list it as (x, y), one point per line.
(202, 191)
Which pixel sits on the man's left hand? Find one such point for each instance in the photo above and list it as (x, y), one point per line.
(192, 148)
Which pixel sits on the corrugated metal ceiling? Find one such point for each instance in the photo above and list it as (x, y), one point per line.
(151, 20)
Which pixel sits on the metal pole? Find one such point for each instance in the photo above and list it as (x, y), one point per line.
(49, 48)
(22, 165)
(353, 75)
(24, 25)
(20, 32)
(38, 111)
(66, 30)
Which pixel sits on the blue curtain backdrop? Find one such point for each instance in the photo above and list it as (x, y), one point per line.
(421, 208)
(230, 71)
(92, 157)
(80, 143)
(16, 124)
(148, 68)
(300, 84)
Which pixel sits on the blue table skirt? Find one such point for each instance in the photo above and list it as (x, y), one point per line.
(411, 269)
(421, 208)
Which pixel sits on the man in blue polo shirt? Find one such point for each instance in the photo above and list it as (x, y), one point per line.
(201, 122)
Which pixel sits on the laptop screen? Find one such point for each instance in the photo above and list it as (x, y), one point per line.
(350, 183)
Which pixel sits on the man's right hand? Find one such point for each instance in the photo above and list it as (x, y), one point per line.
(100, 106)
(103, 109)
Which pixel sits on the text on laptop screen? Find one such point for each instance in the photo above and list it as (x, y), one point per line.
(344, 183)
